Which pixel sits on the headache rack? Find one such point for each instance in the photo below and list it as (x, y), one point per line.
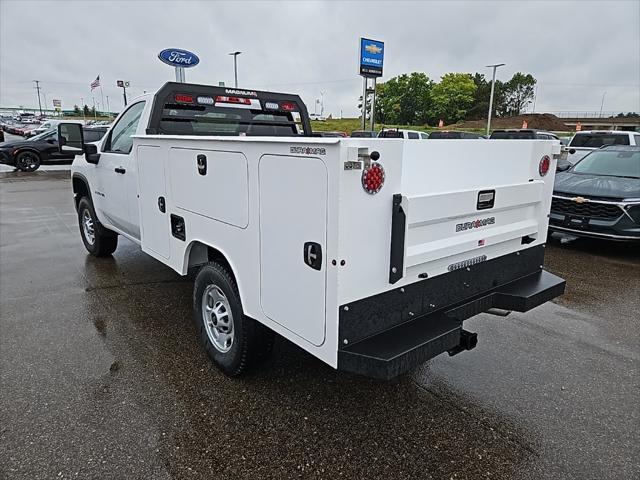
(189, 109)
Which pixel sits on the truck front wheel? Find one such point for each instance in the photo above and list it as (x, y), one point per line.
(232, 340)
(98, 241)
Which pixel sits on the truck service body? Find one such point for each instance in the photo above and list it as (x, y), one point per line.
(367, 253)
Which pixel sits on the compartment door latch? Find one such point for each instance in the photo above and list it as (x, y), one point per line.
(312, 254)
(202, 164)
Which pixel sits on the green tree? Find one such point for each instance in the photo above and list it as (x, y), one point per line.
(76, 110)
(404, 100)
(519, 92)
(480, 105)
(453, 96)
(85, 109)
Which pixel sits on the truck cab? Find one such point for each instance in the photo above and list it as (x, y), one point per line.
(402, 133)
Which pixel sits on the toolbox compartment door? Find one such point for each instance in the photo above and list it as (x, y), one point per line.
(293, 215)
(154, 224)
(211, 183)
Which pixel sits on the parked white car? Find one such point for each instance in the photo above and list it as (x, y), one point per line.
(367, 253)
(317, 117)
(51, 125)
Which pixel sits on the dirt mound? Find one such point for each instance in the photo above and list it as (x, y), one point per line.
(539, 121)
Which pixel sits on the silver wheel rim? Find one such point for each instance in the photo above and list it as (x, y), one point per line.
(217, 317)
(87, 227)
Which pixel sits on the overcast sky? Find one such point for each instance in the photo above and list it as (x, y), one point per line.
(577, 50)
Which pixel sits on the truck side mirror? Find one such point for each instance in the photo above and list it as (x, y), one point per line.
(70, 138)
(91, 154)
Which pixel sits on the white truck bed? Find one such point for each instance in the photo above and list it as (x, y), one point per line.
(259, 203)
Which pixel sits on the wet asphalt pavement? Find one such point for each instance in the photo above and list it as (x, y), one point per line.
(102, 376)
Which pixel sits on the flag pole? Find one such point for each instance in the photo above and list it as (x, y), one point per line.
(102, 96)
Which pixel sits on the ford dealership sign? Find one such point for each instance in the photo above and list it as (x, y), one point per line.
(177, 57)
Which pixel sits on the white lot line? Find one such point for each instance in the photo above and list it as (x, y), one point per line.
(43, 168)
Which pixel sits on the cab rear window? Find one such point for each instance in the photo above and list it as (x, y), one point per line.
(513, 135)
(597, 140)
(390, 134)
(448, 135)
(190, 119)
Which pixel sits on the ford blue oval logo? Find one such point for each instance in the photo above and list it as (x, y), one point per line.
(177, 57)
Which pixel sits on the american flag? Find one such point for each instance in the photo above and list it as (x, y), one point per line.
(95, 83)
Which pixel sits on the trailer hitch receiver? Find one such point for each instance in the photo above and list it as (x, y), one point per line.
(468, 341)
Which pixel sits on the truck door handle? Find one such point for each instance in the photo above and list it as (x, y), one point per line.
(202, 164)
(162, 206)
(120, 170)
(312, 254)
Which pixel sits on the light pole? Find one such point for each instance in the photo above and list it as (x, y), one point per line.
(602, 104)
(493, 84)
(38, 88)
(235, 65)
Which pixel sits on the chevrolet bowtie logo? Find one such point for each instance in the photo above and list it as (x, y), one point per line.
(371, 48)
(579, 199)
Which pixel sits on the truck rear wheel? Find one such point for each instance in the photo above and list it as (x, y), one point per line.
(232, 340)
(99, 241)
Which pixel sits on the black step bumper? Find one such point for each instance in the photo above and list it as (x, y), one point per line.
(422, 330)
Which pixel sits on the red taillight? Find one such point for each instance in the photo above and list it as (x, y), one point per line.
(234, 100)
(182, 98)
(544, 165)
(373, 178)
(288, 106)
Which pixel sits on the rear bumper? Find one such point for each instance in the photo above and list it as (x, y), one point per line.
(391, 348)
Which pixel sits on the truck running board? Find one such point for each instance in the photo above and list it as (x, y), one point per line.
(398, 349)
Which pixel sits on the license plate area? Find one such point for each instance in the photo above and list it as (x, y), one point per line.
(573, 221)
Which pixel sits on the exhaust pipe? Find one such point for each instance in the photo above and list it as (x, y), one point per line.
(468, 341)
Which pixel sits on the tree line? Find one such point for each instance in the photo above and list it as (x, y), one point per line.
(415, 99)
(85, 110)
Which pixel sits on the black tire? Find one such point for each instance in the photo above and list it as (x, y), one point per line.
(104, 241)
(250, 340)
(28, 161)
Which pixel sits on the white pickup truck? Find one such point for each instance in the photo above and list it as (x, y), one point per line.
(367, 253)
(585, 142)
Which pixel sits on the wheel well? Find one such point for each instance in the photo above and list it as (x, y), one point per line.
(200, 253)
(80, 189)
(30, 150)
